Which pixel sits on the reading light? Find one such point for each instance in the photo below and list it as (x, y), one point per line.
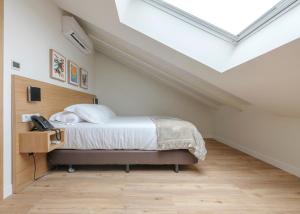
(33, 94)
(95, 100)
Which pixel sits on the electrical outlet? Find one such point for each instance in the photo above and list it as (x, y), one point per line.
(27, 117)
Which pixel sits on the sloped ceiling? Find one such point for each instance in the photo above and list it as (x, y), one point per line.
(268, 81)
(199, 44)
(129, 54)
(138, 64)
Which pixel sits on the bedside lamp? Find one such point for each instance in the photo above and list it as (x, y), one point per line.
(95, 100)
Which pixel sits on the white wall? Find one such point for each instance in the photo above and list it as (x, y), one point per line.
(129, 92)
(273, 139)
(31, 28)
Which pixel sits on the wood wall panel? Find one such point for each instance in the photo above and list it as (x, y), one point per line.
(53, 99)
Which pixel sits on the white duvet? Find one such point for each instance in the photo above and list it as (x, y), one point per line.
(118, 133)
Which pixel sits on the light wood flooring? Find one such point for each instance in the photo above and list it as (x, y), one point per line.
(228, 181)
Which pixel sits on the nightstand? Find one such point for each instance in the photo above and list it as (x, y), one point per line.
(39, 142)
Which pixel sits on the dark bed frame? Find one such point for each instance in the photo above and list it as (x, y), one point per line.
(72, 157)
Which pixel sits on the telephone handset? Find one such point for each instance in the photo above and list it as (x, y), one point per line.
(42, 124)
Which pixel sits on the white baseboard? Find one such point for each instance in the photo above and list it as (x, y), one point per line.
(7, 191)
(279, 164)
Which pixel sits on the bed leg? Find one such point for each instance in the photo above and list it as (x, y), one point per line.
(71, 169)
(176, 168)
(127, 169)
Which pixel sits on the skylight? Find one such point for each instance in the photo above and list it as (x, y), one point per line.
(232, 16)
(232, 20)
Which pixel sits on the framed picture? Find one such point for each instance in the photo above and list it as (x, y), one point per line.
(83, 78)
(57, 66)
(73, 73)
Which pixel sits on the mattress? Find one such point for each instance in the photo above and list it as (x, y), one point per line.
(128, 133)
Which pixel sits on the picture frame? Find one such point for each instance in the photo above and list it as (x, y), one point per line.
(84, 78)
(57, 66)
(73, 73)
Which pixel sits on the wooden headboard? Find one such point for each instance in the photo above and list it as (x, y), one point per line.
(53, 99)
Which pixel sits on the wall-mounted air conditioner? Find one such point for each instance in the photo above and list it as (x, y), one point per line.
(76, 35)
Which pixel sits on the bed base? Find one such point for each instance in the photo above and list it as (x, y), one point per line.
(71, 169)
(71, 157)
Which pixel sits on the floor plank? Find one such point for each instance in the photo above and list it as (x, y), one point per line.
(228, 181)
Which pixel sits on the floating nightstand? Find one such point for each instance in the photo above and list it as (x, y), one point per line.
(39, 141)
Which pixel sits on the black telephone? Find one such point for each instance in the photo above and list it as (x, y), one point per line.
(42, 124)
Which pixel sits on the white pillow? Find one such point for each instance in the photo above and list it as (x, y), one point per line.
(66, 117)
(92, 113)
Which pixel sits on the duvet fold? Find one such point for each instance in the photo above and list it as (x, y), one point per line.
(173, 133)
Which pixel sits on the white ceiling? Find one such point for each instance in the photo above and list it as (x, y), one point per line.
(151, 64)
(202, 44)
(269, 81)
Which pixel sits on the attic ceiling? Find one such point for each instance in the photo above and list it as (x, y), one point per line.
(268, 81)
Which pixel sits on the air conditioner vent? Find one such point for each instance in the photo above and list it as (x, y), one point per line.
(76, 35)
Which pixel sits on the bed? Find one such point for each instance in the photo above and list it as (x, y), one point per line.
(128, 141)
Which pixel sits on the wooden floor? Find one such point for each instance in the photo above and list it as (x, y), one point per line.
(227, 182)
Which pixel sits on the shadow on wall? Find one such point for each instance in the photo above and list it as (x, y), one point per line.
(131, 93)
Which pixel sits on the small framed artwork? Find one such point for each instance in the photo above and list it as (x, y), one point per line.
(73, 73)
(83, 78)
(57, 66)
